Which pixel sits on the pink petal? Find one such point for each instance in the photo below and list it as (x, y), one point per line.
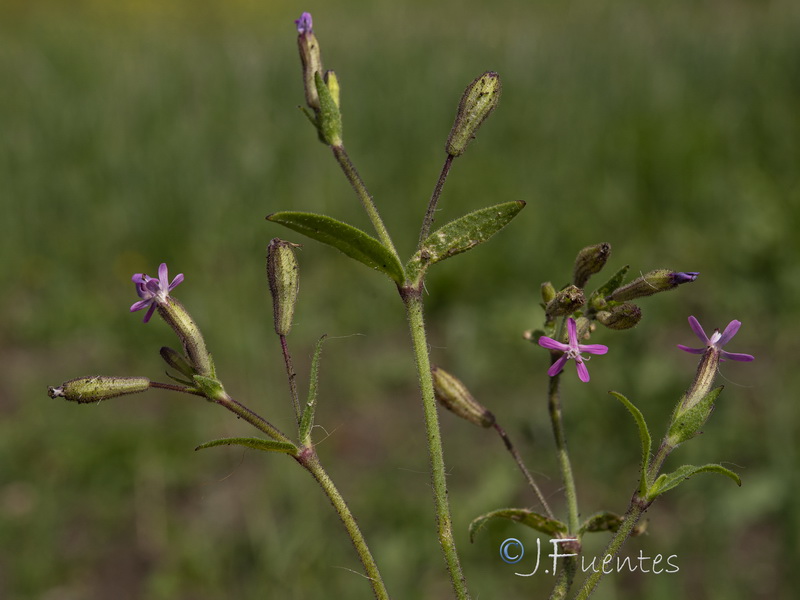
(739, 357)
(583, 372)
(698, 330)
(573, 332)
(692, 350)
(547, 342)
(729, 332)
(557, 366)
(593, 348)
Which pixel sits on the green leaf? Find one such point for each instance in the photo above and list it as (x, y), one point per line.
(608, 521)
(330, 119)
(307, 422)
(687, 424)
(644, 436)
(345, 238)
(520, 515)
(461, 235)
(255, 443)
(599, 295)
(668, 481)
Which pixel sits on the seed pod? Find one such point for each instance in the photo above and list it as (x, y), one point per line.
(660, 280)
(85, 390)
(456, 398)
(284, 283)
(565, 302)
(622, 316)
(589, 261)
(477, 103)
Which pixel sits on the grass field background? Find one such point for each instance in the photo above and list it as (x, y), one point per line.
(133, 133)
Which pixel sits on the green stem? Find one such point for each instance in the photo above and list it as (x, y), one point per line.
(255, 420)
(437, 191)
(521, 464)
(629, 521)
(292, 376)
(366, 200)
(413, 302)
(554, 405)
(309, 460)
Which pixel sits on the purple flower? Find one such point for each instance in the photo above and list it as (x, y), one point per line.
(571, 350)
(684, 277)
(716, 341)
(304, 23)
(153, 291)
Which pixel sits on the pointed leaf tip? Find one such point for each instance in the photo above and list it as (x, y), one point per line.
(347, 239)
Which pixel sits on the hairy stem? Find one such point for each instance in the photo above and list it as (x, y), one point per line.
(629, 521)
(309, 460)
(255, 420)
(366, 199)
(292, 376)
(554, 405)
(524, 469)
(437, 191)
(413, 302)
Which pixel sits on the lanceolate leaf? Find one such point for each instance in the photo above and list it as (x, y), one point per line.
(255, 443)
(644, 436)
(346, 238)
(668, 481)
(521, 515)
(307, 422)
(608, 521)
(461, 235)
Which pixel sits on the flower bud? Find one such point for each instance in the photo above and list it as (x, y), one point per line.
(310, 58)
(284, 283)
(548, 292)
(85, 390)
(477, 103)
(621, 316)
(333, 87)
(660, 280)
(589, 261)
(457, 399)
(565, 302)
(177, 361)
(329, 118)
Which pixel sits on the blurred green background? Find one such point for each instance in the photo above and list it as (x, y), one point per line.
(137, 132)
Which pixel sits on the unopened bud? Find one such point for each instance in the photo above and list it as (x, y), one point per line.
(329, 119)
(456, 398)
(548, 292)
(660, 280)
(565, 302)
(333, 86)
(621, 316)
(477, 103)
(309, 57)
(86, 390)
(589, 261)
(177, 361)
(284, 283)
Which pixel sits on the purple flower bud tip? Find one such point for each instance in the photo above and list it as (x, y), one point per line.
(684, 277)
(304, 23)
(571, 350)
(716, 341)
(153, 291)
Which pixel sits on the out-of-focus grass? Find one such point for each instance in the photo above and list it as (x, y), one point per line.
(135, 133)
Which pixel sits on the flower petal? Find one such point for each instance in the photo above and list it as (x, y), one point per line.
(175, 282)
(729, 332)
(140, 305)
(572, 329)
(557, 366)
(149, 313)
(583, 372)
(593, 348)
(548, 342)
(735, 356)
(698, 330)
(692, 350)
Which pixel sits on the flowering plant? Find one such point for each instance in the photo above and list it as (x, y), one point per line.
(571, 316)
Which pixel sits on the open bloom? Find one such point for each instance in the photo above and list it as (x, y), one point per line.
(153, 291)
(716, 341)
(571, 350)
